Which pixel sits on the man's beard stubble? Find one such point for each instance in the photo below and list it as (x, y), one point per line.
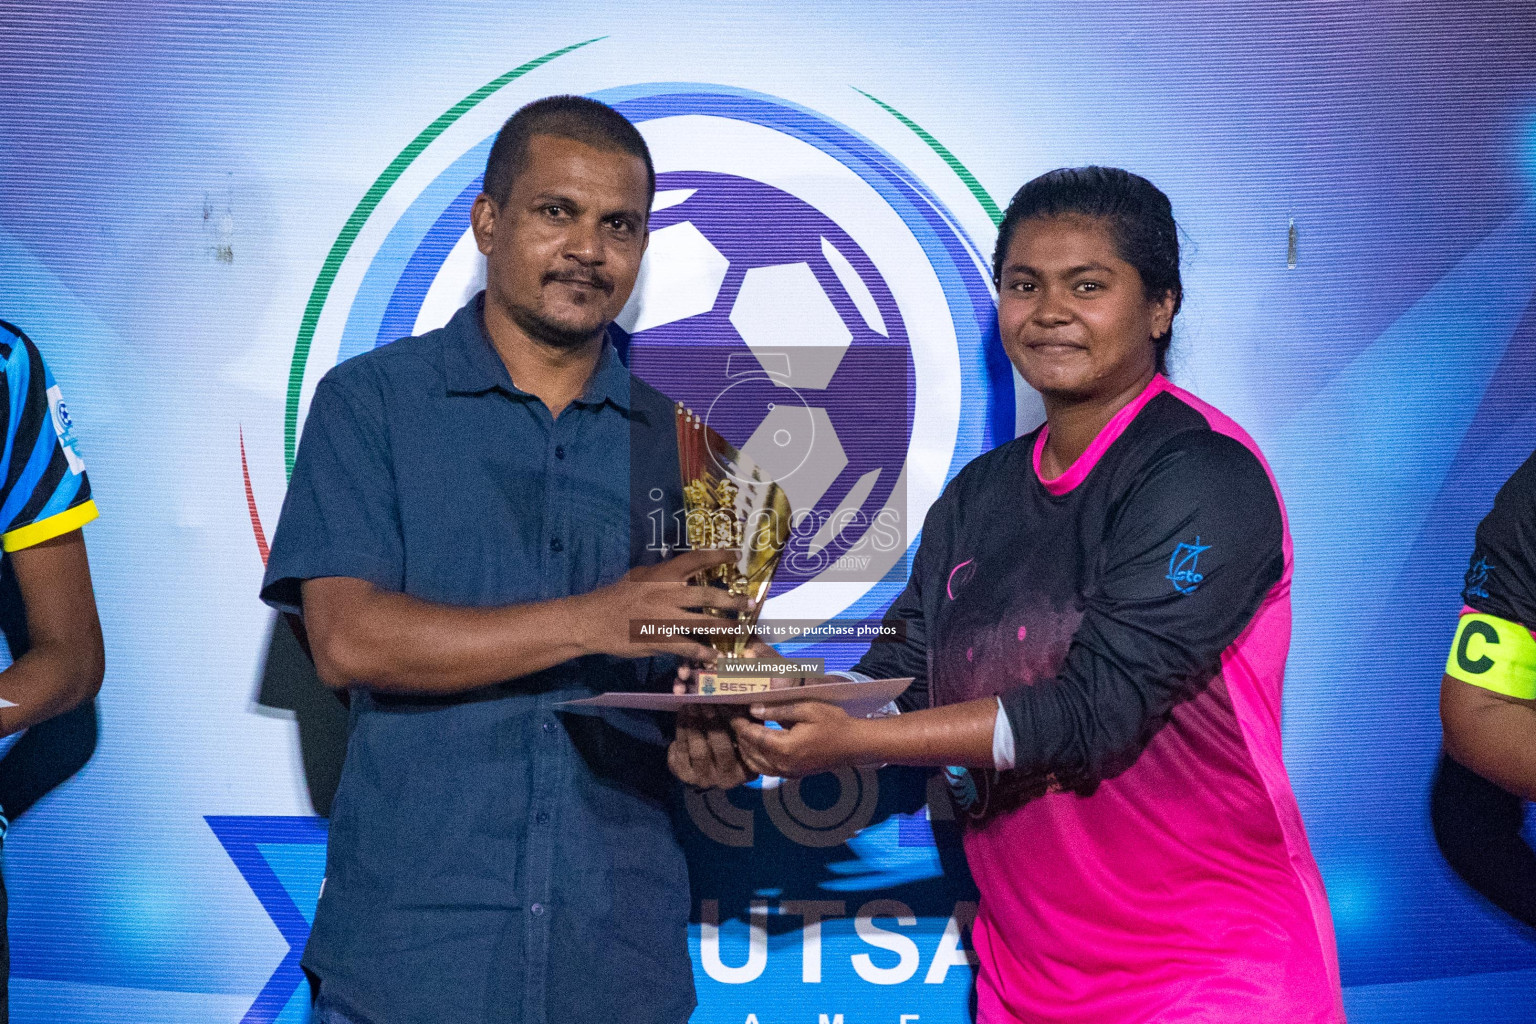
(553, 333)
(548, 332)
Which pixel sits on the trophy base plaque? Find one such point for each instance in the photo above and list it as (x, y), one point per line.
(711, 683)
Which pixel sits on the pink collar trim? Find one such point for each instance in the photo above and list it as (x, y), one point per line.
(1085, 462)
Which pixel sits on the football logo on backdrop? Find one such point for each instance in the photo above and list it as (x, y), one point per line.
(814, 301)
(757, 309)
(802, 290)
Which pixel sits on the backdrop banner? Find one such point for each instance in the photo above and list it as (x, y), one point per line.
(204, 207)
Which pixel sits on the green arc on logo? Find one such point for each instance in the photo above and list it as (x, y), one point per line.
(949, 158)
(360, 215)
(408, 155)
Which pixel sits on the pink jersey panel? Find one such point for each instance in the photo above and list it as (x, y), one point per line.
(1254, 669)
(1113, 429)
(1183, 889)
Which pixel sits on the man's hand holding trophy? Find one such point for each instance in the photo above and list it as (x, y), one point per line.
(730, 506)
(727, 506)
(736, 524)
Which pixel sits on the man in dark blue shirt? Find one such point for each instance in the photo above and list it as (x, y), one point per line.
(465, 535)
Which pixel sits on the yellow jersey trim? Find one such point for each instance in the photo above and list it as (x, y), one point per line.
(1495, 654)
(54, 526)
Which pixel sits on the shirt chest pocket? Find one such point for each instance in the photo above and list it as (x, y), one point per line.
(503, 531)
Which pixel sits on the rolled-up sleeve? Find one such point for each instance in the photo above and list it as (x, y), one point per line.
(341, 514)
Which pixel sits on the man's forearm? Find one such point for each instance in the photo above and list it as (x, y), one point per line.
(361, 635)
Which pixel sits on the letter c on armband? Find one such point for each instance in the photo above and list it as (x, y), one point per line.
(1495, 654)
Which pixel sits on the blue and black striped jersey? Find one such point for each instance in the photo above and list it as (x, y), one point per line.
(44, 492)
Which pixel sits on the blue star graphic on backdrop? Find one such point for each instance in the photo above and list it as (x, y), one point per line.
(283, 861)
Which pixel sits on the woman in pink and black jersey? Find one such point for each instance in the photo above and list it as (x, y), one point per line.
(1098, 618)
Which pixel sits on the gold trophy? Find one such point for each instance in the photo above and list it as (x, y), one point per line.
(728, 504)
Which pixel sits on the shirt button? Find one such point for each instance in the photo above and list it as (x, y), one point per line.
(549, 726)
(559, 451)
(556, 545)
(543, 818)
(537, 910)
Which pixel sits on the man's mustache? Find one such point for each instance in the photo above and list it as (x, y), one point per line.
(586, 277)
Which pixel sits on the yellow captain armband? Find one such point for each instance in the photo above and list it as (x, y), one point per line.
(1495, 654)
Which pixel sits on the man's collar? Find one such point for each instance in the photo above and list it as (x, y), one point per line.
(470, 363)
(610, 379)
(472, 366)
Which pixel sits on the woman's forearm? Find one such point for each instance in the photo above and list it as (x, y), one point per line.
(816, 737)
(957, 734)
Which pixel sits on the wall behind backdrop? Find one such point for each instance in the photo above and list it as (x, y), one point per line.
(203, 207)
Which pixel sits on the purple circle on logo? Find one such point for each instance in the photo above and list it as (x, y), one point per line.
(802, 359)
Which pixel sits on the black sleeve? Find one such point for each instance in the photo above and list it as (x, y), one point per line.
(1478, 829)
(1194, 547)
(893, 659)
(896, 659)
(1501, 577)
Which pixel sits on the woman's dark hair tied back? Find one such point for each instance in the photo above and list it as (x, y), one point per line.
(1140, 219)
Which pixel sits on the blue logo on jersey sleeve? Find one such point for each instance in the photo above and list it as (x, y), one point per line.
(1184, 566)
(1477, 578)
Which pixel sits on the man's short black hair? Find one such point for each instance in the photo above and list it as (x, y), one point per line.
(568, 117)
